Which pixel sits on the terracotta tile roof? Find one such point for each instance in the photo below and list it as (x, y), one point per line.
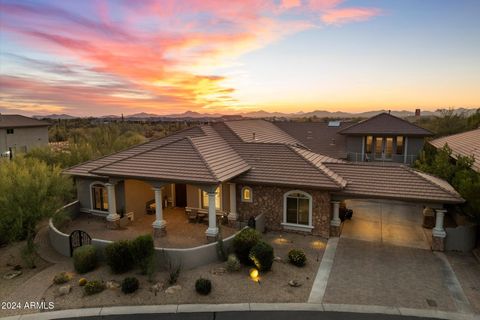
(18, 121)
(211, 154)
(84, 169)
(464, 144)
(263, 131)
(206, 159)
(318, 136)
(383, 124)
(393, 182)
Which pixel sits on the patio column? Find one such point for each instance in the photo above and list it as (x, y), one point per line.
(336, 214)
(438, 233)
(113, 217)
(232, 216)
(212, 231)
(159, 225)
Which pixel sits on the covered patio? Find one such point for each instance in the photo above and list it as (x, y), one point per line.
(181, 233)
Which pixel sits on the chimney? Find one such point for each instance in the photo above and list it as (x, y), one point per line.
(417, 112)
(253, 136)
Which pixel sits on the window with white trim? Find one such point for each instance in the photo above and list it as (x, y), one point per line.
(99, 197)
(246, 194)
(298, 208)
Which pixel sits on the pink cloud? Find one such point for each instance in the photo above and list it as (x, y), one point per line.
(156, 47)
(346, 15)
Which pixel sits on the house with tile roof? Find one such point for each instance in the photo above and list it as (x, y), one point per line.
(465, 144)
(250, 168)
(20, 134)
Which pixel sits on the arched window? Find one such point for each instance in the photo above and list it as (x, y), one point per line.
(297, 209)
(247, 194)
(99, 196)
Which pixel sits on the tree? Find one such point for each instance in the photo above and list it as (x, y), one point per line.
(30, 191)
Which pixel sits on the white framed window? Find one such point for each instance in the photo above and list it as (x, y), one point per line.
(99, 196)
(247, 194)
(218, 199)
(297, 210)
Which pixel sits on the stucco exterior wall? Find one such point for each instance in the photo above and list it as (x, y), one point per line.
(23, 139)
(137, 194)
(268, 200)
(192, 196)
(85, 198)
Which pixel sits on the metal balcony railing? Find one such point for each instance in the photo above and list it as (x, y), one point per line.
(409, 159)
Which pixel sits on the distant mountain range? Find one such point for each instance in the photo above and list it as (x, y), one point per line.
(266, 114)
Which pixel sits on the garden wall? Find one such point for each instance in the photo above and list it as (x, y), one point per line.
(188, 258)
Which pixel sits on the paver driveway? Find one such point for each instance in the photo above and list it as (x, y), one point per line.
(390, 222)
(376, 273)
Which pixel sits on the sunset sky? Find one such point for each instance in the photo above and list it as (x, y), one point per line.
(129, 56)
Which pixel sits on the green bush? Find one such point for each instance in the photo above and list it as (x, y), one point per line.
(203, 286)
(233, 264)
(93, 287)
(262, 256)
(244, 242)
(119, 256)
(85, 258)
(60, 278)
(143, 250)
(297, 257)
(129, 285)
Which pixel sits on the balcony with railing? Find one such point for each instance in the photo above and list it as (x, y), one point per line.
(408, 159)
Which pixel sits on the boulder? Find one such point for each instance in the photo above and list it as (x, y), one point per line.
(112, 284)
(12, 274)
(294, 283)
(63, 290)
(173, 289)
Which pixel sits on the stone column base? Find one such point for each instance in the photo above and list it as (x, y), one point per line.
(211, 239)
(159, 232)
(438, 243)
(335, 231)
(115, 224)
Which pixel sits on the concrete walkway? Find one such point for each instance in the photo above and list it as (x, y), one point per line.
(246, 307)
(321, 280)
(453, 285)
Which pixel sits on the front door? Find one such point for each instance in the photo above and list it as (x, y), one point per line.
(180, 195)
(383, 148)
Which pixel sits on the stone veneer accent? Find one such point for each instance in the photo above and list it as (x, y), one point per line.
(438, 244)
(269, 200)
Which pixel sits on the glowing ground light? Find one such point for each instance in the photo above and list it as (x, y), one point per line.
(254, 274)
(317, 244)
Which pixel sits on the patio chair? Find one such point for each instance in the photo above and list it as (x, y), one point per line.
(201, 217)
(192, 215)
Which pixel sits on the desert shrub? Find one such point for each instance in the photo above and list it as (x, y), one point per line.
(82, 282)
(173, 273)
(262, 256)
(203, 286)
(93, 287)
(233, 264)
(297, 257)
(129, 285)
(244, 242)
(85, 258)
(143, 251)
(62, 277)
(119, 256)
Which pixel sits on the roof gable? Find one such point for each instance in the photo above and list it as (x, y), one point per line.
(384, 124)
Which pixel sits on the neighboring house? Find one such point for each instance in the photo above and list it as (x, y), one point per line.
(464, 144)
(384, 138)
(247, 168)
(20, 134)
